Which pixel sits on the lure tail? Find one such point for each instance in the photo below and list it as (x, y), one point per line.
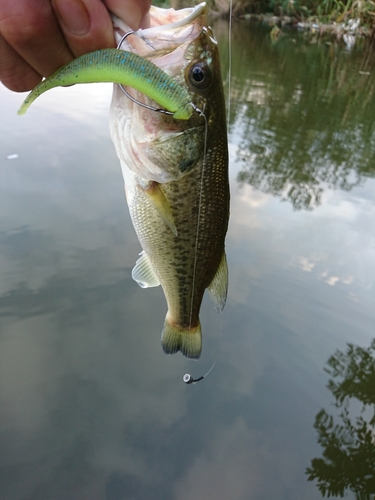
(187, 340)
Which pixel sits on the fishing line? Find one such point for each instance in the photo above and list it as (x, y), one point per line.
(229, 59)
(199, 213)
(187, 378)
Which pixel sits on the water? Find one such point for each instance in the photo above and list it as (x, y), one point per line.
(90, 406)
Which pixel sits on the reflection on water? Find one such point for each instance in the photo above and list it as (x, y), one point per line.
(90, 407)
(304, 116)
(349, 447)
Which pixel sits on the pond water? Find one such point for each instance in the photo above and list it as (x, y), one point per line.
(90, 406)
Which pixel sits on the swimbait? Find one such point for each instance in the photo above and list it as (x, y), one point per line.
(118, 66)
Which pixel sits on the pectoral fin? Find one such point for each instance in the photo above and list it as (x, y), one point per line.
(160, 202)
(218, 287)
(143, 272)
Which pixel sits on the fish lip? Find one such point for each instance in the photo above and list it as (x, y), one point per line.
(196, 12)
(120, 27)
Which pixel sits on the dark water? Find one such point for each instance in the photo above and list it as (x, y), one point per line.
(90, 407)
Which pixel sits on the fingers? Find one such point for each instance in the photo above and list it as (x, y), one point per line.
(39, 36)
(31, 32)
(134, 13)
(86, 25)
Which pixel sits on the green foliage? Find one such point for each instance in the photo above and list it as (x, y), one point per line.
(356, 369)
(339, 10)
(297, 8)
(324, 10)
(348, 448)
(165, 4)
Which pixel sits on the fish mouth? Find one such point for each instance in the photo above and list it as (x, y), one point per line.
(166, 41)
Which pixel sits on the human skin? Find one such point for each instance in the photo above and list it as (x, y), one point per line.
(39, 36)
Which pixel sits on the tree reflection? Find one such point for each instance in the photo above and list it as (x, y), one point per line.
(303, 112)
(349, 447)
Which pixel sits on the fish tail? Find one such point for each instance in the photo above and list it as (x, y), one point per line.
(187, 340)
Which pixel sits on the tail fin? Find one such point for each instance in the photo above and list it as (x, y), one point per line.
(186, 340)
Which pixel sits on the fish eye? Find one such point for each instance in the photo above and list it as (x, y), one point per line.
(200, 76)
(197, 74)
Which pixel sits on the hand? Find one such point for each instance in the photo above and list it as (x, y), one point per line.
(39, 36)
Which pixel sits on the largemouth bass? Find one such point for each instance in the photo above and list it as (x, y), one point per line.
(176, 172)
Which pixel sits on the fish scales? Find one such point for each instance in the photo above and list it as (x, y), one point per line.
(174, 256)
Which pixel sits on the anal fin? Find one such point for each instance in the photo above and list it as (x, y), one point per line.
(143, 272)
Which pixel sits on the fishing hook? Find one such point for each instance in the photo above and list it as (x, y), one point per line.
(159, 110)
(133, 99)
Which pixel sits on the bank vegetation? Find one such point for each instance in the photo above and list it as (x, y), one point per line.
(356, 15)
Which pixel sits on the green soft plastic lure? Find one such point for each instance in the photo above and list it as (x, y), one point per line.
(119, 66)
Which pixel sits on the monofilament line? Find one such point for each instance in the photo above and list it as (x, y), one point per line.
(229, 59)
(199, 216)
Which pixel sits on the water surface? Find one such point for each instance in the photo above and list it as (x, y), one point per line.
(90, 406)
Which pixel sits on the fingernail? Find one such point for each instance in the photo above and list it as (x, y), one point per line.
(73, 15)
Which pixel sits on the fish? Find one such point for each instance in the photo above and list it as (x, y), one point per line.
(176, 172)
